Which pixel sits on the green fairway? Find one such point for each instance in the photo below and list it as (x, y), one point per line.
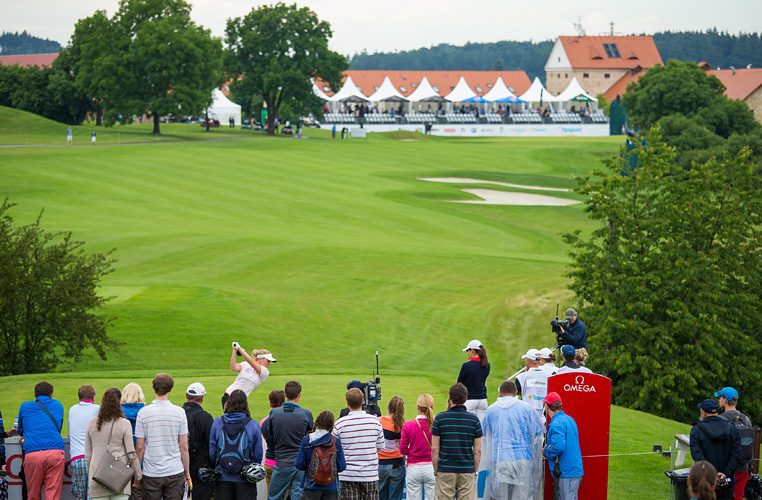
(322, 251)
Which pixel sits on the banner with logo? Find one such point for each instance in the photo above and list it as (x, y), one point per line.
(489, 130)
(586, 397)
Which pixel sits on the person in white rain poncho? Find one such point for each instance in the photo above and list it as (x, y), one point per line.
(512, 448)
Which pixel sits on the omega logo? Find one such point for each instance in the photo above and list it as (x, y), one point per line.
(579, 386)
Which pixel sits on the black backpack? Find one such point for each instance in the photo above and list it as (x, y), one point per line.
(747, 438)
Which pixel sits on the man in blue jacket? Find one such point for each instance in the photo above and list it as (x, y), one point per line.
(576, 335)
(562, 450)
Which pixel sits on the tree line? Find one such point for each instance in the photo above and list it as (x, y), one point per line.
(151, 59)
(13, 44)
(720, 49)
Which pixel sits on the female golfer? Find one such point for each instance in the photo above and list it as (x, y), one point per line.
(251, 373)
(473, 374)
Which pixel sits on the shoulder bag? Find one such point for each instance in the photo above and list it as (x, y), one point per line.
(418, 420)
(111, 473)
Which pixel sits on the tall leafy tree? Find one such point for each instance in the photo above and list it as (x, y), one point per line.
(274, 51)
(150, 58)
(48, 298)
(670, 281)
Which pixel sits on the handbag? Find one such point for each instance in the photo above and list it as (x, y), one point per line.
(424, 432)
(111, 473)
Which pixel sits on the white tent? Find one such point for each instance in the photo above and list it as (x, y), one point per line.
(536, 91)
(423, 91)
(498, 91)
(385, 91)
(224, 108)
(573, 90)
(461, 92)
(318, 92)
(348, 90)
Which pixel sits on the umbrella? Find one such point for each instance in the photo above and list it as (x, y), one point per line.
(434, 98)
(394, 98)
(581, 97)
(353, 98)
(475, 98)
(511, 100)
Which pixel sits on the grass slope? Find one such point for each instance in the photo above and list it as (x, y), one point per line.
(321, 250)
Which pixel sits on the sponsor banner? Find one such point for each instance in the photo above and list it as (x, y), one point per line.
(491, 130)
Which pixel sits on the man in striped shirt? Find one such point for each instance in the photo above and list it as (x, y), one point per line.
(361, 437)
(162, 444)
(456, 448)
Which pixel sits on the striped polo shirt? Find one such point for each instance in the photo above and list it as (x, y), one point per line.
(161, 424)
(361, 437)
(457, 429)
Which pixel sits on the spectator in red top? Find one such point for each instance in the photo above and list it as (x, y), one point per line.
(416, 444)
(391, 465)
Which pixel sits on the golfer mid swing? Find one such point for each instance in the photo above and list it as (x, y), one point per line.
(251, 372)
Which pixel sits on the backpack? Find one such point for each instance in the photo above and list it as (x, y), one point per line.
(747, 439)
(322, 469)
(233, 443)
(195, 435)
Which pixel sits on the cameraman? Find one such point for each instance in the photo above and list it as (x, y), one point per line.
(369, 409)
(576, 336)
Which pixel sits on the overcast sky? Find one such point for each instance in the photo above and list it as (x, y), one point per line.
(389, 25)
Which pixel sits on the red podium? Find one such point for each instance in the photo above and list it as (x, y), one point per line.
(586, 398)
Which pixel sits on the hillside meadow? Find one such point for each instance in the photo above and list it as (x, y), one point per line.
(321, 250)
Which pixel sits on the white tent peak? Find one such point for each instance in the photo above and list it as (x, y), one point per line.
(224, 108)
(533, 93)
(349, 89)
(498, 91)
(318, 91)
(573, 90)
(423, 91)
(386, 90)
(461, 92)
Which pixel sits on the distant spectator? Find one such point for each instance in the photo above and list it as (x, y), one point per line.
(199, 429)
(133, 400)
(162, 432)
(361, 436)
(284, 431)
(277, 398)
(570, 364)
(79, 415)
(40, 424)
(321, 437)
(580, 356)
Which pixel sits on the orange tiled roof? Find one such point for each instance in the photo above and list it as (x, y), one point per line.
(741, 84)
(620, 87)
(588, 52)
(444, 81)
(29, 60)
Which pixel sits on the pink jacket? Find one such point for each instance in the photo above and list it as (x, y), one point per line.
(414, 443)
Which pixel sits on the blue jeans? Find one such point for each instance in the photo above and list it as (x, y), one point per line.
(391, 481)
(283, 479)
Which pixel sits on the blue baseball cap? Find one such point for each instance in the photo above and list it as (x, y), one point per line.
(355, 384)
(728, 393)
(568, 351)
(709, 406)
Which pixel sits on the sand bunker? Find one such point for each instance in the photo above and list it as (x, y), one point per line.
(461, 180)
(492, 197)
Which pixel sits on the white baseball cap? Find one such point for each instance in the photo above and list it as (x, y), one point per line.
(474, 344)
(196, 389)
(545, 353)
(531, 354)
(268, 357)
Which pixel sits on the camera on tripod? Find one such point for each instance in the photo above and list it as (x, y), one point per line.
(372, 391)
(556, 326)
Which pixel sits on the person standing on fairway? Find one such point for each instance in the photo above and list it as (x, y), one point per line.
(251, 373)
(473, 374)
(68, 136)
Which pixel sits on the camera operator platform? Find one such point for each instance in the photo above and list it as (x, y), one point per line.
(576, 334)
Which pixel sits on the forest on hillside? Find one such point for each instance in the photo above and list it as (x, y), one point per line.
(15, 44)
(720, 49)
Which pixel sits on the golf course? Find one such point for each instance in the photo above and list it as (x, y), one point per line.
(321, 250)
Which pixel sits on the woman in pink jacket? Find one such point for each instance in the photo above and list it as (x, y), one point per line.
(416, 444)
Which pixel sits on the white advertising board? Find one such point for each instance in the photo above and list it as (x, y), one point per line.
(496, 130)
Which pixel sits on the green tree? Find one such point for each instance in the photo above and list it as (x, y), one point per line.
(275, 50)
(150, 58)
(670, 281)
(48, 298)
